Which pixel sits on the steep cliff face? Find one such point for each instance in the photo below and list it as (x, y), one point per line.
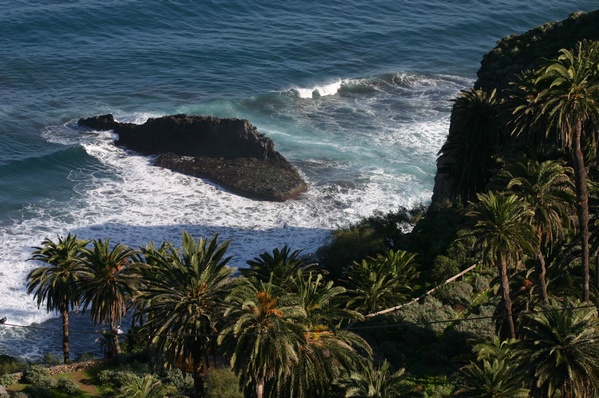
(228, 152)
(516, 53)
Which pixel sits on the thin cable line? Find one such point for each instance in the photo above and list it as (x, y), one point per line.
(350, 328)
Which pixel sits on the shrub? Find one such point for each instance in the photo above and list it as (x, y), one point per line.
(51, 359)
(181, 381)
(222, 383)
(38, 392)
(38, 376)
(347, 246)
(481, 284)
(67, 386)
(115, 378)
(10, 364)
(456, 293)
(6, 380)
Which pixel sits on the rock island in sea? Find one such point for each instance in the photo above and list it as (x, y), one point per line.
(228, 152)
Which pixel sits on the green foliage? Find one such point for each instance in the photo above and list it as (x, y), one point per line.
(38, 376)
(378, 382)
(222, 383)
(50, 359)
(280, 268)
(147, 386)
(39, 392)
(458, 293)
(381, 282)
(347, 246)
(6, 380)
(115, 378)
(183, 382)
(481, 283)
(10, 364)
(67, 386)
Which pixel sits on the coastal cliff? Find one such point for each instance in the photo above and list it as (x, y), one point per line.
(517, 53)
(228, 152)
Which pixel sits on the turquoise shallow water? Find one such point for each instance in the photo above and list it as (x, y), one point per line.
(356, 94)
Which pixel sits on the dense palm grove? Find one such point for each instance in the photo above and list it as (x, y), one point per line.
(521, 167)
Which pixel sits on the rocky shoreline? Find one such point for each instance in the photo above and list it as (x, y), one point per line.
(228, 152)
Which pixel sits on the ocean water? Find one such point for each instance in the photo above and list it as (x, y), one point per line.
(356, 94)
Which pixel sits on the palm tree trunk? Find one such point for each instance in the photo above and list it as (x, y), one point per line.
(198, 370)
(541, 274)
(65, 336)
(260, 389)
(115, 338)
(582, 207)
(507, 300)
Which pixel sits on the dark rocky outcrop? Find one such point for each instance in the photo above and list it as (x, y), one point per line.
(228, 152)
(517, 53)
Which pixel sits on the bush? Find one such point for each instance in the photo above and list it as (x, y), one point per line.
(222, 383)
(38, 376)
(38, 392)
(347, 246)
(456, 293)
(6, 380)
(51, 359)
(115, 378)
(481, 284)
(67, 386)
(10, 364)
(181, 381)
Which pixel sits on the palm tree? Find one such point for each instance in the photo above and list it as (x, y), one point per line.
(559, 351)
(567, 105)
(548, 190)
(467, 157)
(264, 337)
(329, 351)
(54, 284)
(381, 282)
(280, 267)
(495, 378)
(183, 298)
(504, 237)
(108, 279)
(379, 382)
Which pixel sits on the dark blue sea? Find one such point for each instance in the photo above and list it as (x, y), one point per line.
(356, 94)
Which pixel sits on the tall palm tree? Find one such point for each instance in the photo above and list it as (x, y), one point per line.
(329, 351)
(280, 267)
(381, 282)
(379, 382)
(108, 279)
(264, 337)
(467, 156)
(559, 351)
(567, 105)
(54, 284)
(504, 237)
(183, 298)
(548, 190)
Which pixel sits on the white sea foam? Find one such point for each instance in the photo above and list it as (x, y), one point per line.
(318, 91)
